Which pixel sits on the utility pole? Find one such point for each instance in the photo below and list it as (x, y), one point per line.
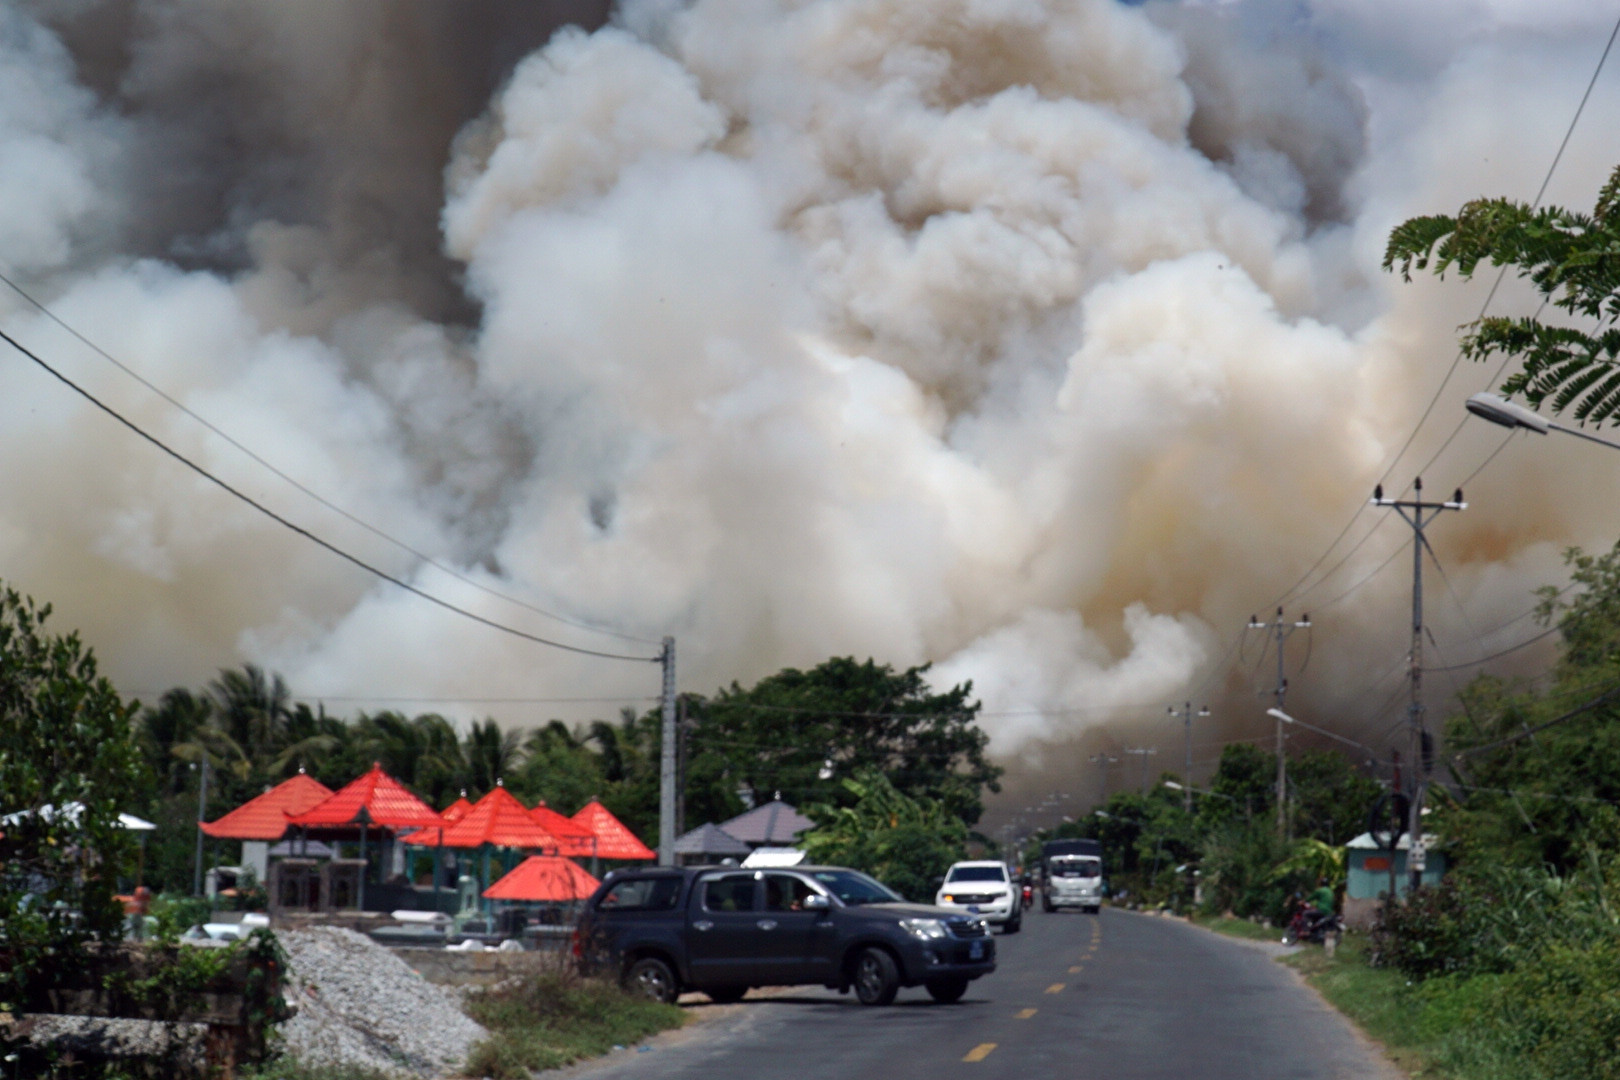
(666, 765)
(1144, 753)
(1186, 714)
(202, 815)
(1102, 761)
(1282, 630)
(1418, 514)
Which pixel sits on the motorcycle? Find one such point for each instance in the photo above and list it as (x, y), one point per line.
(1029, 896)
(1313, 927)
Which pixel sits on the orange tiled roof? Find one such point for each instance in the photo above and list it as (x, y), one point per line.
(264, 817)
(573, 838)
(613, 839)
(385, 802)
(499, 819)
(456, 810)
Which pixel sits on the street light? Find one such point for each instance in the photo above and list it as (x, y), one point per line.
(1510, 414)
(1285, 718)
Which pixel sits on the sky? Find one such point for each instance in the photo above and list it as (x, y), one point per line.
(1044, 341)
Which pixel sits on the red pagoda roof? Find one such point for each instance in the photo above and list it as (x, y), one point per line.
(264, 817)
(573, 838)
(613, 839)
(456, 810)
(384, 800)
(544, 877)
(498, 819)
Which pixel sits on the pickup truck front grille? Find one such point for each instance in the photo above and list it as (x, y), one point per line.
(975, 898)
(967, 928)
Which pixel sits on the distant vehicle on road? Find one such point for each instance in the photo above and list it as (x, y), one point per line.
(724, 930)
(984, 888)
(1072, 875)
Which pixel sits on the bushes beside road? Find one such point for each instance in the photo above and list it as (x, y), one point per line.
(1508, 973)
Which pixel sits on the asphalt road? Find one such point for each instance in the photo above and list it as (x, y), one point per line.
(1118, 996)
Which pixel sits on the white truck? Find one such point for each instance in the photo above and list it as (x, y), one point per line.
(1072, 875)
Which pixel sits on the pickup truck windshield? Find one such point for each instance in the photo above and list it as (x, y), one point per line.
(978, 873)
(854, 888)
(1077, 867)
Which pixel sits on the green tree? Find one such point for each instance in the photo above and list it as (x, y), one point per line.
(1538, 772)
(801, 733)
(906, 842)
(67, 742)
(1573, 261)
(558, 767)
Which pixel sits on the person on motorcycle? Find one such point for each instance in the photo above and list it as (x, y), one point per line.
(1321, 897)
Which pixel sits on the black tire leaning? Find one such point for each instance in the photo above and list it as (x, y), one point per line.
(651, 978)
(946, 991)
(1046, 905)
(876, 977)
(726, 995)
(1014, 924)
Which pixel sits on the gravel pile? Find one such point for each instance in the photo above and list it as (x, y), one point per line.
(359, 1004)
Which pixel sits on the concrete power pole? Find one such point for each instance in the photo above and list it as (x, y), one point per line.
(1144, 752)
(1281, 629)
(1418, 514)
(1186, 714)
(666, 765)
(202, 815)
(1102, 761)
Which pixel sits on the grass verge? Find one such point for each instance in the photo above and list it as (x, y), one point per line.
(1241, 928)
(1453, 1027)
(553, 1020)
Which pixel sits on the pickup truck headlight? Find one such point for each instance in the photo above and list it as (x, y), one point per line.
(927, 929)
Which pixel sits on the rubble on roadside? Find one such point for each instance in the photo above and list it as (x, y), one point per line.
(360, 1005)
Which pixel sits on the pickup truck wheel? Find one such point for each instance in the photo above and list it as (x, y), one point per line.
(877, 977)
(726, 995)
(651, 978)
(946, 991)
(1046, 905)
(1014, 924)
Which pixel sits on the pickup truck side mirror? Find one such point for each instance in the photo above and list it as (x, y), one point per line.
(817, 902)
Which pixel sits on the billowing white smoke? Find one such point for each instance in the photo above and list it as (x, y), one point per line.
(1041, 340)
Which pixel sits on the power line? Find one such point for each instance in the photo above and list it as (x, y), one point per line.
(349, 699)
(1541, 192)
(299, 529)
(379, 533)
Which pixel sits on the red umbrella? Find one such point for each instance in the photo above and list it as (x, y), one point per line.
(613, 839)
(576, 840)
(544, 877)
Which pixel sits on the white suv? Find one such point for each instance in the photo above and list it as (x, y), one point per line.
(985, 889)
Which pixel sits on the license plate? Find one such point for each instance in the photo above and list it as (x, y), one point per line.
(973, 908)
(976, 951)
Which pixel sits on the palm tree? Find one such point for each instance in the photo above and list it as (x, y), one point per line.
(253, 711)
(490, 754)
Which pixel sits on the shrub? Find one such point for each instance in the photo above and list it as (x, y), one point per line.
(1494, 919)
(553, 1019)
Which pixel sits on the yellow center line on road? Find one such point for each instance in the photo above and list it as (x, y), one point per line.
(1075, 970)
(1025, 1014)
(980, 1052)
(1055, 988)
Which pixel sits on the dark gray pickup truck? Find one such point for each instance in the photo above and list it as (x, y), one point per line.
(723, 930)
